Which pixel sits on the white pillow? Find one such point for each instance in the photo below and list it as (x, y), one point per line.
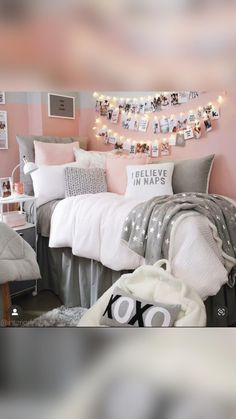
(48, 182)
(91, 159)
(149, 180)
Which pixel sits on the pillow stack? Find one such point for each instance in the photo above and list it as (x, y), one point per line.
(66, 170)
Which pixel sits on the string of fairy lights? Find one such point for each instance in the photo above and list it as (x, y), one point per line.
(187, 125)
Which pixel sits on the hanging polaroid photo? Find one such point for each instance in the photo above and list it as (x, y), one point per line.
(121, 103)
(98, 105)
(200, 113)
(182, 122)
(188, 133)
(127, 145)
(191, 117)
(134, 123)
(173, 124)
(109, 113)
(197, 130)
(102, 132)
(112, 139)
(207, 109)
(147, 106)
(156, 126)
(127, 107)
(193, 95)
(118, 145)
(165, 99)
(142, 148)
(132, 149)
(164, 125)
(183, 97)
(207, 123)
(165, 149)
(143, 124)
(104, 107)
(157, 103)
(215, 113)
(180, 140)
(172, 139)
(174, 98)
(125, 121)
(115, 116)
(155, 150)
(142, 106)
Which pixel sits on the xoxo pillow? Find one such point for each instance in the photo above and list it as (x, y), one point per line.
(126, 310)
(148, 181)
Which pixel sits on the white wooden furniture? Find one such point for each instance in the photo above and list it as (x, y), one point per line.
(28, 231)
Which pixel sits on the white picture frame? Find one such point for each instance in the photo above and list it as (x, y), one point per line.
(2, 98)
(67, 104)
(3, 131)
(5, 187)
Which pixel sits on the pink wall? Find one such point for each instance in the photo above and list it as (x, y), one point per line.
(31, 119)
(220, 141)
(17, 119)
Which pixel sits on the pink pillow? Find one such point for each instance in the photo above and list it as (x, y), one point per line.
(54, 153)
(116, 171)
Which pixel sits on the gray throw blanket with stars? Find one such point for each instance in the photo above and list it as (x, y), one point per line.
(147, 229)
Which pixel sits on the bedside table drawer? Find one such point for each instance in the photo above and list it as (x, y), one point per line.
(28, 234)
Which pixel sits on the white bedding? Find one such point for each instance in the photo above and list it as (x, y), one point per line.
(91, 226)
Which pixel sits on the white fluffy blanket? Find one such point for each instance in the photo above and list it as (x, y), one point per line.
(91, 226)
(17, 258)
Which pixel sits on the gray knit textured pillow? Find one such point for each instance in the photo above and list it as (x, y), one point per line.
(80, 181)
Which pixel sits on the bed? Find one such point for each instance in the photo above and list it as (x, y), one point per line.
(81, 280)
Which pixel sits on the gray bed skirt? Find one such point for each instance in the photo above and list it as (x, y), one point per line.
(75, 280)
(80, 282)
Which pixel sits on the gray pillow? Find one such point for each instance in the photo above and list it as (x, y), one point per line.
(26, 148)
(80, 181)
(192, 175)
(126, 310)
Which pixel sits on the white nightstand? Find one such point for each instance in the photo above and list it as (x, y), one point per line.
(28, 232)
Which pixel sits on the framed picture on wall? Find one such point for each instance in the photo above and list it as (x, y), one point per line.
(5, 187)
(61, 106)
(3, 131)
(2, 98)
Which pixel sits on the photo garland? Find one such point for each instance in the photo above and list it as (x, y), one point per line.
(107, 105)
(181, 129)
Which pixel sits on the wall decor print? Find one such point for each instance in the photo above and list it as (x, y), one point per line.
(2, 98)
(3, 131)
(61, 106)
(5, 187)
(143, 124)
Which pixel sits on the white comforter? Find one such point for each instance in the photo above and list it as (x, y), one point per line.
(91, 226)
